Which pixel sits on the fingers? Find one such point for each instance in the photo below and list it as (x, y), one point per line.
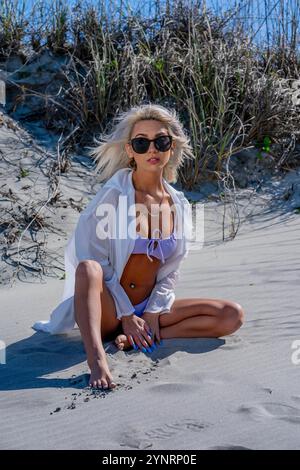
(148, 334)
(137, 342)
(147, 329)
(143, 340)
(131, 341)
(147, 338)
(142, 343)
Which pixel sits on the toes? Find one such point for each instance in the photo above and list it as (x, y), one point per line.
(104, 384)
(120, 342)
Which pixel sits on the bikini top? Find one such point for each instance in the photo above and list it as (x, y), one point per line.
(161, 248)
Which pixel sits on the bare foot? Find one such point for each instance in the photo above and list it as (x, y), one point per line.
(122, 342)
(100, 374)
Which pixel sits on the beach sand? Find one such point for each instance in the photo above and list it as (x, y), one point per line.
(240, 391)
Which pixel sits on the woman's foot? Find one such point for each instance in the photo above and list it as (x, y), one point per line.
(100, 375)
(122, 342)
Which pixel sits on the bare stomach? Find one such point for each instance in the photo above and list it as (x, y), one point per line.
(141, 272)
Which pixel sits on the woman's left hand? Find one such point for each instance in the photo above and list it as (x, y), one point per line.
(152, 320)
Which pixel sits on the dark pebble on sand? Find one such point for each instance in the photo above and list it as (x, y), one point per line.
(133, 376)
(57, 409)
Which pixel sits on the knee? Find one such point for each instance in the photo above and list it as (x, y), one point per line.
(89, 270)
(233, 317)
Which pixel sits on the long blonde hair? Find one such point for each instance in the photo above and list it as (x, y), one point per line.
(110, 154)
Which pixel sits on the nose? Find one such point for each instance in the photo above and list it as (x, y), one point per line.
(152, 147)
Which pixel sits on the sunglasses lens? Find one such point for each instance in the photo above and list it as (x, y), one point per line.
(163, 143)
(141, 144)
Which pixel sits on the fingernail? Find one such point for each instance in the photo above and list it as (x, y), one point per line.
(150, 350)
(144, 350)
(135, 347)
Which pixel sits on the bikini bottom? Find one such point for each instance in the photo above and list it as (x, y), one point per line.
(139, 308)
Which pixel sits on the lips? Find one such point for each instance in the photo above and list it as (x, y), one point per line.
(153, 160)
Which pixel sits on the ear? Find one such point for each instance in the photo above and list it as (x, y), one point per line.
(128, 150)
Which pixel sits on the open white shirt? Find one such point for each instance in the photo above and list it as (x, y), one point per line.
(86, 243)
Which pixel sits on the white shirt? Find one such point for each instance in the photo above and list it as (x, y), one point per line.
(113, 253)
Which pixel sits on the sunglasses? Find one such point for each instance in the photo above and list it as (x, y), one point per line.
(142, 144)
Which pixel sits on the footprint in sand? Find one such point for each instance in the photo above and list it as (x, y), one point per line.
(139, 440)
(171, 388)
(229, 447)
(280, 411)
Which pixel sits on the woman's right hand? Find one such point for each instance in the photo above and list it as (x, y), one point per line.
(137, 331)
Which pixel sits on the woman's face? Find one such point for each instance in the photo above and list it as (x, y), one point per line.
(150, 129)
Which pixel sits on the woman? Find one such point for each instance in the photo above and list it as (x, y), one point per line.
(121, 281)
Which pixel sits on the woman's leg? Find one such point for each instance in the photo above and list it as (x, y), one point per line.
(206, 318)
(95, 314)
(197, 318)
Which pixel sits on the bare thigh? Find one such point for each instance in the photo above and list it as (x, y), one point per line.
(187, 308)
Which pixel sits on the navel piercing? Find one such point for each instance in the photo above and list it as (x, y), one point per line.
(132, 285)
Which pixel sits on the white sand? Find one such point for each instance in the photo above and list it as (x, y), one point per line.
(238, 391)
(241, 390)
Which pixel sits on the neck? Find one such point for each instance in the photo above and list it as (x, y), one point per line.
(147, 182)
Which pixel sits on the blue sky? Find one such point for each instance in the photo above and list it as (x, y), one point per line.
(251, 12)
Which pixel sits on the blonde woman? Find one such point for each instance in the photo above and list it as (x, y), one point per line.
(123, 259)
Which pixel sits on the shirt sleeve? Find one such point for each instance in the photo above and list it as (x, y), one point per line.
(88, 246)
(163, 295)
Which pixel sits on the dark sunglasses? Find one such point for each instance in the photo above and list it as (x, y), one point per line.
(142, 144)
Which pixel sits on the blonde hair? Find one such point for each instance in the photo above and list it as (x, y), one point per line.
(110, 154)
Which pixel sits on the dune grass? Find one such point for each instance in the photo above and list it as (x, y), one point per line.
(230, 92)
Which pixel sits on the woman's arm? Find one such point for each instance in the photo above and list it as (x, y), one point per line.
(89, 245)
(163, 293)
